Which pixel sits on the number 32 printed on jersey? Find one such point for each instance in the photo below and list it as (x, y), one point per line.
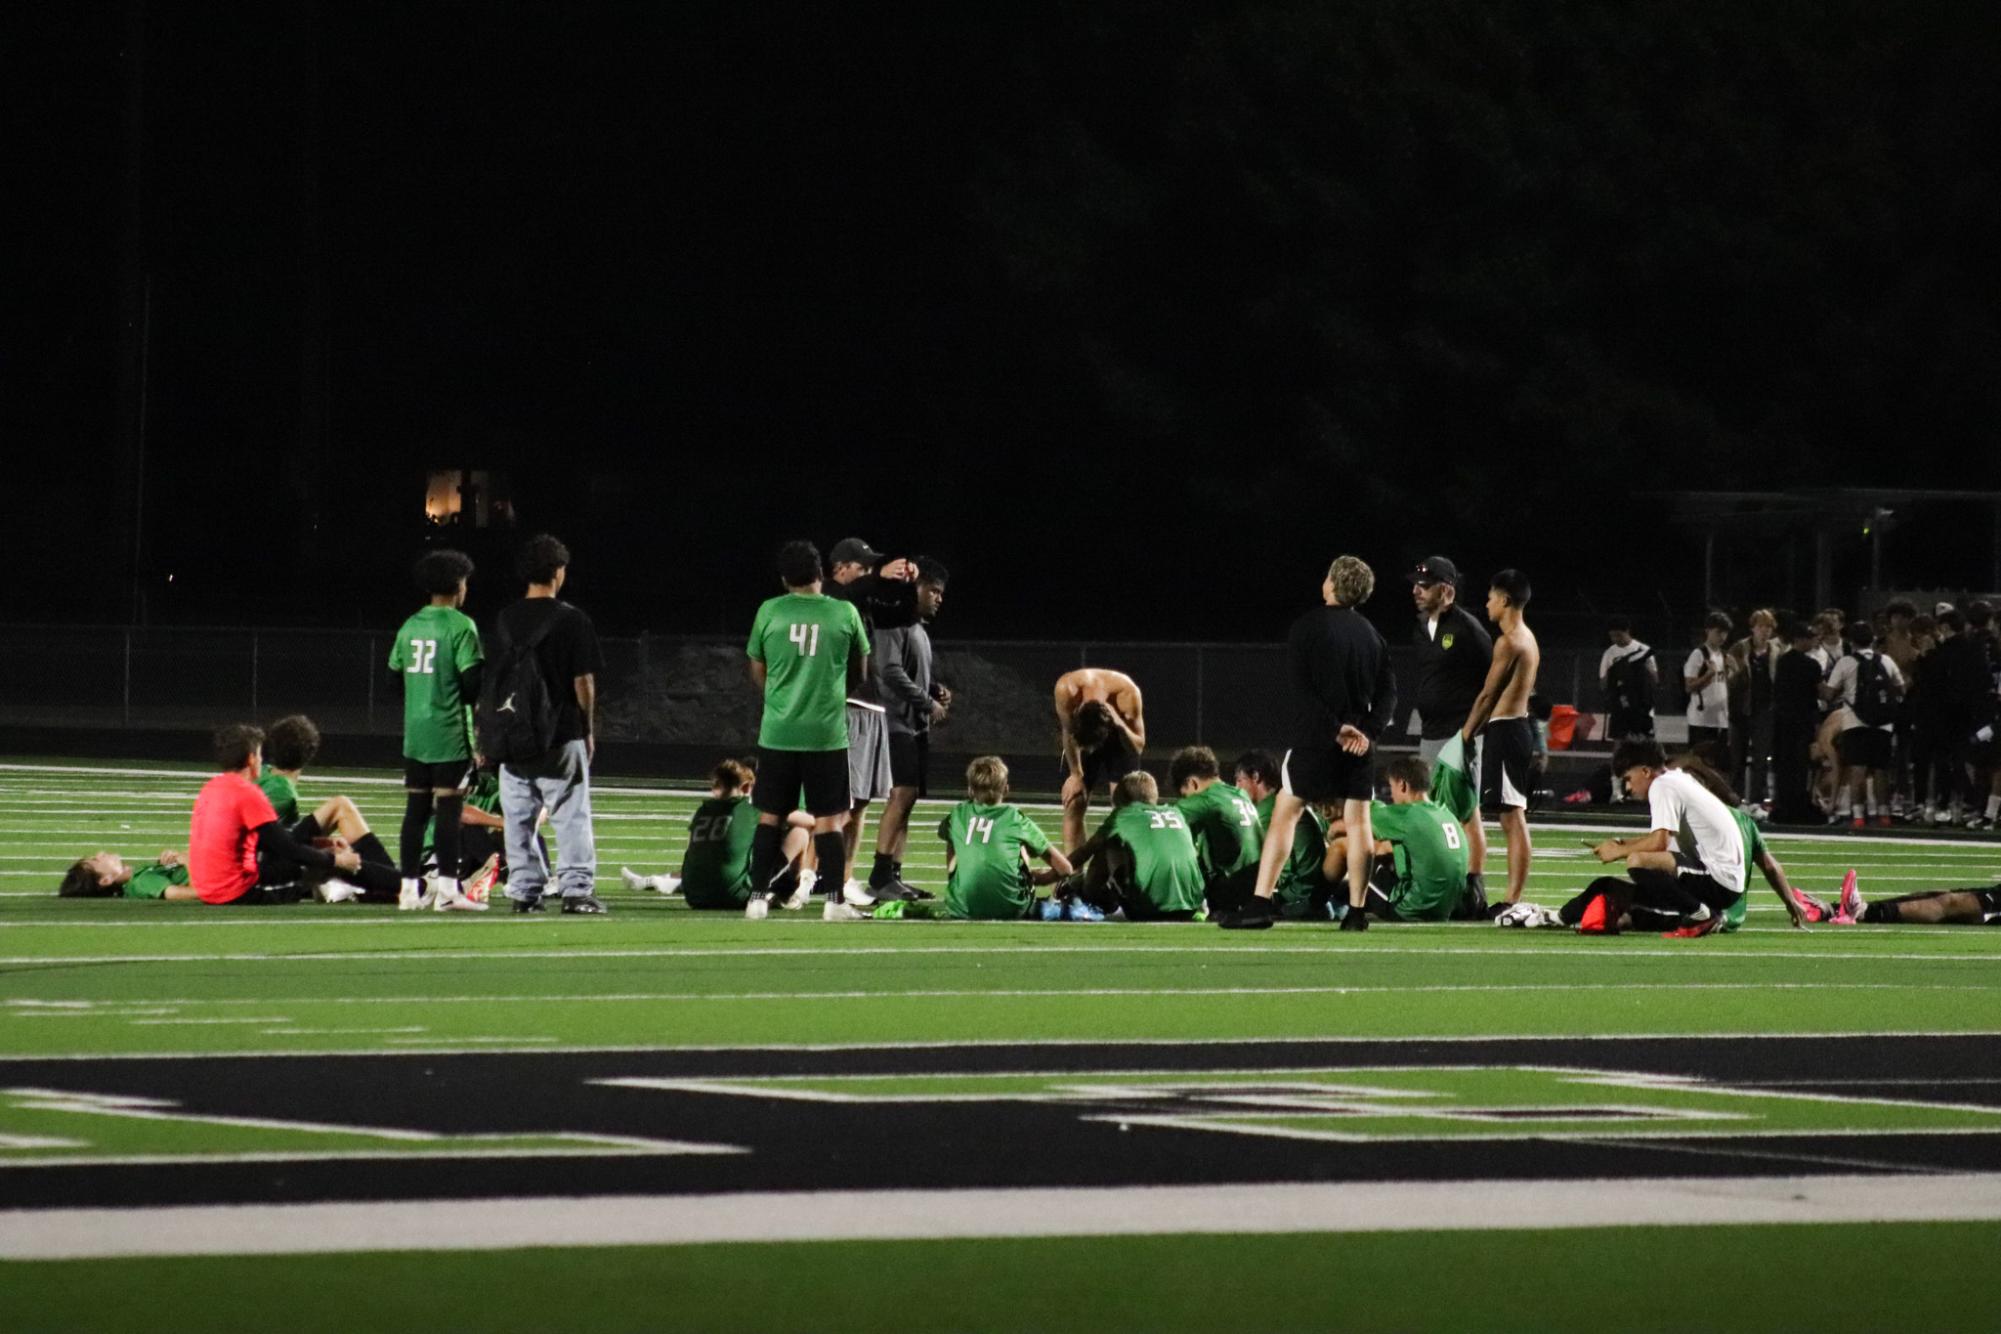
(423, 657)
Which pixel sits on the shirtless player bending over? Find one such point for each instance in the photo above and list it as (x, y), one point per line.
(1104, 733)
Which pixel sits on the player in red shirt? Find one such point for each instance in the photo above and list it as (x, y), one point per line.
(239, 852)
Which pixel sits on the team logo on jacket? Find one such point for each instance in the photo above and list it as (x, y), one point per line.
(1445, 640)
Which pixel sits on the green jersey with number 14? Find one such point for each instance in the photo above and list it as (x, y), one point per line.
(989, 878)
(804, 640)
(433, 650)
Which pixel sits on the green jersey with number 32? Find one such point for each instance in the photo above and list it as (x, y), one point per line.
(804, 640)
(989, 878)
(432, 651)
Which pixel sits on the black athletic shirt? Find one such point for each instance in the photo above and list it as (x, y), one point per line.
(1451, 669)
(1340, 674)
(570, 650)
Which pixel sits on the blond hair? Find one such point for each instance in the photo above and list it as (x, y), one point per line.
(1137, 787)
(1763, 616)
(1353, 580)
(986, 779)
(731, 776)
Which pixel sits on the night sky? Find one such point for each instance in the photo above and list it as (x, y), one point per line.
(1136, 314)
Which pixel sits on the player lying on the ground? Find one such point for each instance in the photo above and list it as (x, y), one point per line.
(1103, 721)
(988, 844)
(289, 746)
(715, 867)
(1223, 818)
(1420, 850)
(106, 875)
(1685, 873)
(1302, 891)
(1142, 860)
(1931, 907)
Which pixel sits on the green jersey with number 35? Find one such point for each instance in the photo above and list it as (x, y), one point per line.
(989, 878)
(804, 641)
(432, 651)
(1165, 867)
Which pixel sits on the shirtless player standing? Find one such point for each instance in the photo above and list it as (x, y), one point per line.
(1104, 734)
(1503, 712)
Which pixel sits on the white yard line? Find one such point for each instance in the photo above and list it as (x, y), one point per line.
(1400, 1206)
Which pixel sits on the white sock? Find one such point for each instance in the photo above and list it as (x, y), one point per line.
(1994, 807)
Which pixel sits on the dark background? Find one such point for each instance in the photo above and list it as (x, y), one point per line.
(1134, 313)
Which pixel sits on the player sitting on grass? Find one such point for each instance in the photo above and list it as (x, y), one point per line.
(715, 868)
(239, 852)
(289, 747)
(1801, 908)
(1686, 872)
(1142, 860)
(1302, 890)
(1420, 873)
(987, 847)
(1224, 821)
(106, 875)
(1931, 907)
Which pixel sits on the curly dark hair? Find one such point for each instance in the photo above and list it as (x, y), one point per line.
(439, 573)
(541, 556)
(291, 743)
(1191, 762)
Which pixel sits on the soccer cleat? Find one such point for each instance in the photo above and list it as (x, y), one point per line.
(523, 906)
(1858, 823)
(336, 891)
(1256, 915)
(1048, 910)
(1076, 910)
(802, 893)
(837, 911)
(1355, 919)
(410, 897)
(1850, 910)
(631, 878)
(448, 897)
(893, 892)
(855, 894)
(584, 905)
(757, 909)
(1695, 930)
(480, 887)
(1812, 908)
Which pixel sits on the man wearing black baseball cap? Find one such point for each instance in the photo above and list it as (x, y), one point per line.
(1453, 652)
(884, 592)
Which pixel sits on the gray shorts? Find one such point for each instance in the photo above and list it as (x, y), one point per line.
(868, 754)
(1428, 752)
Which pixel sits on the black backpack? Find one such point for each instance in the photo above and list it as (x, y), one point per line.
(1875, 693)
(1626, 684)
(516, 719)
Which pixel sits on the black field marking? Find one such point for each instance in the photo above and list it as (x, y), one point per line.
(799, 1145)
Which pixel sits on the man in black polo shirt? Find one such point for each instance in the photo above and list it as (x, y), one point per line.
(1453, 653)
(1343, 694)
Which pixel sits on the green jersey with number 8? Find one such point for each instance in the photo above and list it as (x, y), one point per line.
(804, 640)
(1430, 853)
(432, 651)
(989, 878)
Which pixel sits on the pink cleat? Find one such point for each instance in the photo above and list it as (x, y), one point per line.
(1850, 911)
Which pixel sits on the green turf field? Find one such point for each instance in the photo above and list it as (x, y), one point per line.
(116, 978)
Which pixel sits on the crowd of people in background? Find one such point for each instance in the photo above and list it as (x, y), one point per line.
(1830, 719)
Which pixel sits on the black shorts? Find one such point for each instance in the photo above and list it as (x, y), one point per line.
(816, 779)
(1382, 881)
(1315, 775)
(431, 776)
(1864, 748)
(1506, 765)
(307, 831)
(910, 761)
(1990, 904)
(1111, 760)
(1630, 722)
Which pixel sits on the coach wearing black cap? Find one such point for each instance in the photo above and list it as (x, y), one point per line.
(1453, 650)
(883, 590)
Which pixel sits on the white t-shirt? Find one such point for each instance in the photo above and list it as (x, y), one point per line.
(1701, 825)
(1611, 655)
(1843, 679)
(1709, 706)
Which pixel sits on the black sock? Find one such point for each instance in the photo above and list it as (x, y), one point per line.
(445, 841)
(764, 857)
(371, 850)
(896, 869)
(1884, 912)
(416, 814)
(884, 872)
(832, 850)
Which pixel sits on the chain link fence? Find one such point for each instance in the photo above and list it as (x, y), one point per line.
(688, 691)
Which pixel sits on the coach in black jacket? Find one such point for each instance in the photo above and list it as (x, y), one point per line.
(1453, 653)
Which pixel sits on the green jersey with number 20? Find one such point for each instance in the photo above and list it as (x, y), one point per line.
(432, 650)
(803, 640)
(715, 870)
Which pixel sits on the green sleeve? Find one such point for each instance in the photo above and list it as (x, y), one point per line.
(1032, 836)
(398, 661)
(467, 653)
(756, 646)
(1388, 822)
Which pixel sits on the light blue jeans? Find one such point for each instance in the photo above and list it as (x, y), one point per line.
(560, 783)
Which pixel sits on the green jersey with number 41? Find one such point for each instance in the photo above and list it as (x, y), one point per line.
(804, 641)
(989, 878)
(433, 650)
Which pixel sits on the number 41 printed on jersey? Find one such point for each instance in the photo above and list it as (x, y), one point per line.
(806, 637)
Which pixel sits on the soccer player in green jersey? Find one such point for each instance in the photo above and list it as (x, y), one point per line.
(988, 844)
(715, 868)
(1142, 858)
(807, 653)
(290, 745)
(1420, 851)
(1224, 820)
(437, 652)
(1757, 852)
(1302, 891)
(105, 875)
